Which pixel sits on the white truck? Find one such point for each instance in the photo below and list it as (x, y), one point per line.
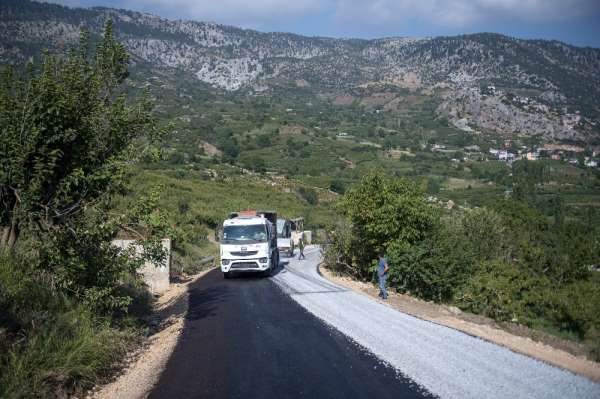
(249, 243)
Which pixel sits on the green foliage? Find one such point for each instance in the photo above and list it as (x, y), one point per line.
(67, 135)
(337, 186)
(526, 175)
(438, 266)
(61, 344)
(383, 213)
(309, 195)
(502, 291)
(507, 261)
(578, 304)
(207, 200)
(433, 186)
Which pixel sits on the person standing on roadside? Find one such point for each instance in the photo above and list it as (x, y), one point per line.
(382, 273)
(301, 247)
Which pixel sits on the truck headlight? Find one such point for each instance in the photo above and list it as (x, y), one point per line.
(224, 262)
(263, 260)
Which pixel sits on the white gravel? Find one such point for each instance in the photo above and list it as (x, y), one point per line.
(444, 361)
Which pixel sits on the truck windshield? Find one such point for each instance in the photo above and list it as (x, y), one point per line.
(281, 233)
(246, 234)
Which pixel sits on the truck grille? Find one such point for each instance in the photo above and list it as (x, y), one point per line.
(244, 265)
(244, 253)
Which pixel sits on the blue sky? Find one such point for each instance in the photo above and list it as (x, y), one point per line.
(572, 21)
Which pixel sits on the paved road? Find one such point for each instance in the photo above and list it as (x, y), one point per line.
(245, 338)
(298, 335)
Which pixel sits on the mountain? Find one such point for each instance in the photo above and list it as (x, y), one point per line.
(481, 82)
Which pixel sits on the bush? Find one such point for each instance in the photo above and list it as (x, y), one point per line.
(337, 186)
(578, 304)
(383, 213)
(62, 346)
(309, 195)
(499, 290)
(437, 267)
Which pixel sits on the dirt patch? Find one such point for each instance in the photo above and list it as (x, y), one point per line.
(397, 154)
(210, 149)
(143, 368)
(377, 99)
(291, 130)
(454, 183)
(547, 348)
(409, 80)
(343, 100)
(395, 105)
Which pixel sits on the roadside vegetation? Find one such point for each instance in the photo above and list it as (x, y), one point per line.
(197, 201)
(505, 260)
(83, 161)
(86, 156)
(70, 303)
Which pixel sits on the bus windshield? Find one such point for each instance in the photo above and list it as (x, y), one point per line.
(281, 233)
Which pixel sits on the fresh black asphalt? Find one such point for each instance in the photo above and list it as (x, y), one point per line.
(245, 338)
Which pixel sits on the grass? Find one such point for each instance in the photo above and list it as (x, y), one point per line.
(51, 346)
(209, 201)
(196, 203)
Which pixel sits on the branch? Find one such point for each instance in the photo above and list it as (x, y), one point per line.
(133, 231)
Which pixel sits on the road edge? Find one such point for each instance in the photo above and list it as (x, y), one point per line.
(146, 364)
(522, 345)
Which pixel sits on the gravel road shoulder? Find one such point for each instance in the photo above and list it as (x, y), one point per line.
(443, 360)
(481, 327)
(145, 366)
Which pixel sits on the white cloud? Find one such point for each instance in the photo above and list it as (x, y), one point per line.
(461, 13)
(264, 14)
(247, 13)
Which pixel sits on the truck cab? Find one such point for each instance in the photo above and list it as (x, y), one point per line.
(249, 243)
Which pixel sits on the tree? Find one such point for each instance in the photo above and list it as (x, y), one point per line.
(433, 185)
(337, 186)
(383, 211)
(67, 133)
(309, 195)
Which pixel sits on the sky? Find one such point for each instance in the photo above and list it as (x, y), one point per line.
(572, 21)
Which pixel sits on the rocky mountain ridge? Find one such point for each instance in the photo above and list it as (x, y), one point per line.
(561, 80)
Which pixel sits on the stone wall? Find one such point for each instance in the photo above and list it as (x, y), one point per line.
(156, 276)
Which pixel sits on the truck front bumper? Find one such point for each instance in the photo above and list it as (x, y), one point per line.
(244, 265)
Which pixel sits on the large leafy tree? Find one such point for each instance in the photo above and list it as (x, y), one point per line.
(67, 133)
(382, 212)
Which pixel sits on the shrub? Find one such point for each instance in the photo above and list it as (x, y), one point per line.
(62, 346)
(337, 186)
(380, 212)
(499, 290)
(309, 195)
(578, 304)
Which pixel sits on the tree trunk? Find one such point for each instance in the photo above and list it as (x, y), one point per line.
(4, 238)
(10, 236)
(14, 236)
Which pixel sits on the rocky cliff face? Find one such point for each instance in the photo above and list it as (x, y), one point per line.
(558, 79)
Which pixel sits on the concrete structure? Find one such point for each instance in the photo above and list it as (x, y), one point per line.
(156, 276)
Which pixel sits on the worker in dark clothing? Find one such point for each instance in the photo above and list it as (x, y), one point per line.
(301, 247)
(382, 273)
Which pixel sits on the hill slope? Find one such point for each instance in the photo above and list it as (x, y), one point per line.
(537, 86)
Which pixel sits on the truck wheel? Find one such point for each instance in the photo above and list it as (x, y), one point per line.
(226, 275)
